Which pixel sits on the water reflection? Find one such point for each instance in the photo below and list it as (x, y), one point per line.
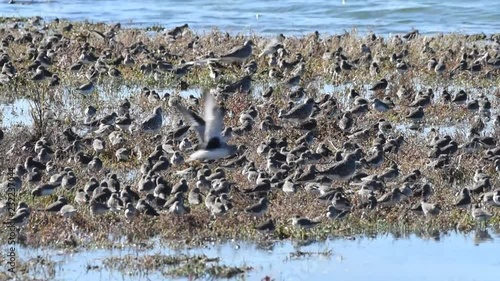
(482, 236)
(444, 256)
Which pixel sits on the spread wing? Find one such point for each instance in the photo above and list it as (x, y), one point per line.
(214, 118)
(196, 121)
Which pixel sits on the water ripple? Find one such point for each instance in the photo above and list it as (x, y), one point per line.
(287, 16)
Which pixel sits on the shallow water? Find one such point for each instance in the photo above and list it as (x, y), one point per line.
(271, 17)
(15, 113)
(447, 257)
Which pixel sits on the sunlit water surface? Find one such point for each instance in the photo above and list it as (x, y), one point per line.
(449, 257)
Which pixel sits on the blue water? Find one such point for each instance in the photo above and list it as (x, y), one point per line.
(271, 17)
(451, 257)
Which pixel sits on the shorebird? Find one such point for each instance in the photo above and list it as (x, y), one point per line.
(460, 97)
(289, 186)
(303, 223)
(86, 89)
(480, 215)
(123, 122)
(178, 208)
(178, 31)
(194, 196)
(299, 112)
(21, 217)
(380, 86)
(56, 206)
(153, 123)
(177, 159)
(181, 186)
(464, 200)
(273, 45)
(237, 54)
(334, 213)
(440, 67)
(266, 227)
(241, 85)
(391, 198)
(342, 170)
(496, 198)
(212, 145)
(416, 115)
(67, 211)
(217, 207)
(401, 66)
(98, 208)
(340, 202)
(380, 106)
(259, 209)
(144, 208)
(130, 212)
(44, 189)
(263, 187)
(430, 209)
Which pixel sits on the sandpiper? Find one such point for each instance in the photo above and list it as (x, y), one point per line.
(401, 66)
(124, 122)
(430, 209)
(303, 223)
(342, 170)
(263, 187)
(153, 123)
(21, 217)
(238, 54)
(440, 67)
(56, 206)
(97, 208)
(259, 209)
(86, 89)
(241, 85)
(464, 200)
(266, 227)
(380, 106)
(300, 112)
(67, 211)
(496, 198)
(178, 208)
(144, 208)
(333, 213)
(177, 159)
(460, 97)
(217, 207)
(130, 212)
(194, 196)
(391, 198)
(340, 202)
(416, 115)
(181, 186)
(480, 214)
(44, 189)
(380, 86)
(273, 46)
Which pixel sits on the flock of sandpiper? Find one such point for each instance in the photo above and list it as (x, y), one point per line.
(284, 141)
